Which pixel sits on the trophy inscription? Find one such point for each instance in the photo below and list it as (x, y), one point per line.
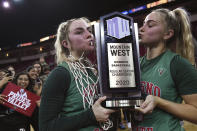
(121, 69)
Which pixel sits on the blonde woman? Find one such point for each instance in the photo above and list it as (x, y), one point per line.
(70, 90)
(167, 75)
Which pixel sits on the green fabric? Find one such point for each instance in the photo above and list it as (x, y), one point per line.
(185, 75)
(73, 104)
(52, 103)
(156, 80)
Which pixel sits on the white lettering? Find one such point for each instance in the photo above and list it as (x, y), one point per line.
(19, 100)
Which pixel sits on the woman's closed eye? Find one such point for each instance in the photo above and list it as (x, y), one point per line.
(79, 32)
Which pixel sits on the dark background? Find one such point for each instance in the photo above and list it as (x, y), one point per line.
(30, 20)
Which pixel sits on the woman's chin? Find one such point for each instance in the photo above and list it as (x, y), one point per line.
(89, 49)
(141, 42)
(92, 47)
(24, 87)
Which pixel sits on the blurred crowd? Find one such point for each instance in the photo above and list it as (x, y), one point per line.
(32, 79)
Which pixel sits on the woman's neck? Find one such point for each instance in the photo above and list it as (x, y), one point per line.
(153, 52)
(77, 55)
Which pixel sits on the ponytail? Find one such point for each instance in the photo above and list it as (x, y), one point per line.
(59, 49)
(184, 41)
(178, 21)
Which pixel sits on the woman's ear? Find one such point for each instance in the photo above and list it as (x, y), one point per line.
(65, 44)
(168, 34)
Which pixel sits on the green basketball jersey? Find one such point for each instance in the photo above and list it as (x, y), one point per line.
(73, 104)
(156, 80)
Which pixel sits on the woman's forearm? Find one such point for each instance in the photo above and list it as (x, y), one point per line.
(183, 111)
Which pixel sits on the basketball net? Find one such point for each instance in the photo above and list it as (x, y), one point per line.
(88, 88)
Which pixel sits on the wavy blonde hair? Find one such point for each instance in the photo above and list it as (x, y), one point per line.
(63, 30)
(178, 20)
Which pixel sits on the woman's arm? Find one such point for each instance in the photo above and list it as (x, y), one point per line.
(38, 88)
(187, 111)
(52, 99)
(185, 77)
(5, 80)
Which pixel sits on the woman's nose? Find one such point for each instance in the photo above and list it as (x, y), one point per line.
(141, 29)
(22, 81)
(89, 35)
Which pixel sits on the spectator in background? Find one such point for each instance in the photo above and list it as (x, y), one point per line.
(38, 66)
(2, 73)
(42, 61)
(33, 72)
(22, 81)
(46, 71)
(12, 70)
(37, 82)
(5, 77)
(11, 120)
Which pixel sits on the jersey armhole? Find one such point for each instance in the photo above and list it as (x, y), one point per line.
(68, 77)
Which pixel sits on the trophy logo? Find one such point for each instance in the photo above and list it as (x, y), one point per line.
(118, 27)
(118, 60)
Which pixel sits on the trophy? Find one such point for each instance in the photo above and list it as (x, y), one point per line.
(117, 53)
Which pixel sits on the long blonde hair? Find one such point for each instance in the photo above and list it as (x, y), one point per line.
(178, 20)
(62, 53)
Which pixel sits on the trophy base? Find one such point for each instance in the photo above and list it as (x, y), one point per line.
(122, 102)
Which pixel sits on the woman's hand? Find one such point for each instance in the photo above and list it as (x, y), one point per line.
(2, 99)
(149, 104)
(38, 88)
(5, 80)
(38, 103)
(102, 114)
